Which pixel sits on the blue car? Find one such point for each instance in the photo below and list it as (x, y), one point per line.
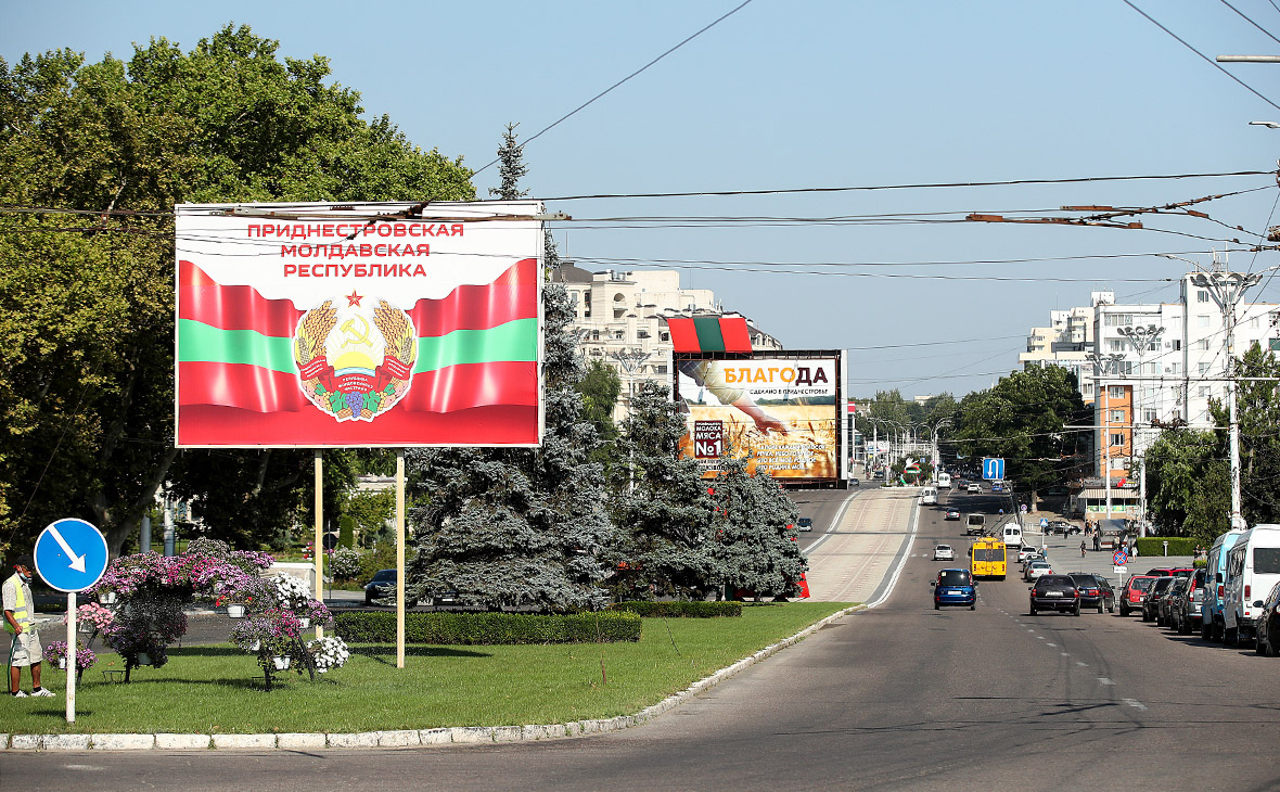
(955, 587)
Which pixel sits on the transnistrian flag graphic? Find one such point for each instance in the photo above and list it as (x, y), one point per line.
(315, 325)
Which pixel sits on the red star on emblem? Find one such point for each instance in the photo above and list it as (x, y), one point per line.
(353, 298)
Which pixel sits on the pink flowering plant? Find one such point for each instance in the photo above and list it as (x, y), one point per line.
(56, 652)
(94, 616)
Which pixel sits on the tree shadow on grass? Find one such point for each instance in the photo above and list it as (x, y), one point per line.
(386, 654)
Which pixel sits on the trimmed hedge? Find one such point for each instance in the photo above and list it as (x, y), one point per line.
(692, 610)
(1153, 546)
(465, 629)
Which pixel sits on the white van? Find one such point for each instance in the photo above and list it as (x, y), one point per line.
(944, 481)
(1253, 567)
(929, 496)
(1012, 535)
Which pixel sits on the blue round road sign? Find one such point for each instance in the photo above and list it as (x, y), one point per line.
(71, 555)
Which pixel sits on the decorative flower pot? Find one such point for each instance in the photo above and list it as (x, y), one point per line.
(235, 611)
(144, 659)
(304, 622)
(281, 662)
(107, 598)
(255, 646)
(62, 663)
(84, 626)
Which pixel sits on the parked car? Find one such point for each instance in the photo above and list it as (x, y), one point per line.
(1037, 569)
(954, 587)
(1164, 606)
(1134, 590)
(1055, 593)
(1253, 567)
(1171, 571)
(1185, 612)
(1026, 553)
(1267, 627)
(1151, 599)
(953, 514)
(943, 553)
(805, 524)
(1095, 591)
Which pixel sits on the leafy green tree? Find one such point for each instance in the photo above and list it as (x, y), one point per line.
(753, 545)
(373, 514)
(87, 292)
(660, 505)
(1188, 484)
(1021, 420)
(519, 527)
(1258, 408)
(600, 388)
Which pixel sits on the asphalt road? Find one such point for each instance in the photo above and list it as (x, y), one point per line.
(900, 697)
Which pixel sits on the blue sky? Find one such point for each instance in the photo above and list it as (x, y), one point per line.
(815, 93)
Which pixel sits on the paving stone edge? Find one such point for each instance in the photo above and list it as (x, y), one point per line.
(398, 738)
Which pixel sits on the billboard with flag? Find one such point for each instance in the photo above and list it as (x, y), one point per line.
(391, 324)
(781, 411)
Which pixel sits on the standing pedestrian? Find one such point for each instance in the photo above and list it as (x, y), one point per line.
(1082, 548)
(24, 648)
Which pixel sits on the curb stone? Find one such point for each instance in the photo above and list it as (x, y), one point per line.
(300, 741)
(402, 737)
(184, 742)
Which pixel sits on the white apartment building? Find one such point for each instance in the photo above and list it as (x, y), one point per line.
(621, 318)
(1181, 366)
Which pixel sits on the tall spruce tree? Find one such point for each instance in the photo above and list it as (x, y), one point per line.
(660, 506)
(519, 527)
(753, 545)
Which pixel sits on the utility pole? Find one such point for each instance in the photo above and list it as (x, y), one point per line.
(1142, 339)
(1227, 289)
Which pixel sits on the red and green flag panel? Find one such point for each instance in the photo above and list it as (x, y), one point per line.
(710, 334)
(308, 325)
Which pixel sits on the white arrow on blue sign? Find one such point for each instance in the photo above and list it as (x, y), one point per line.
(993, 469)
(71, 555)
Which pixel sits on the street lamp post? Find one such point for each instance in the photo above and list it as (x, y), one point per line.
(1227, 289)
(1142, 339)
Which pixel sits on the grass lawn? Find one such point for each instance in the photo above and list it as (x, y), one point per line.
(209, 689)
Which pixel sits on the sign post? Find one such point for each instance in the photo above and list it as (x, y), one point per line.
(71, 556)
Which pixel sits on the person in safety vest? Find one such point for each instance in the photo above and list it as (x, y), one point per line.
(24, 645)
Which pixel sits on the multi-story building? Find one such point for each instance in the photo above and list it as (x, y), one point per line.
(1162, 363)
(621, 318)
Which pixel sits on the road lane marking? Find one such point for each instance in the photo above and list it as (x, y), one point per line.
(1054, 645)
(1082, 665)
(1105, 681)
(1138, 705)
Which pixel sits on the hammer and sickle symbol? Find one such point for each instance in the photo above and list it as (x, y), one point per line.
(354, 337)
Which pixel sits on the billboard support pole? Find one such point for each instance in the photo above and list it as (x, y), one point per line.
(318, 547)
(400, 558)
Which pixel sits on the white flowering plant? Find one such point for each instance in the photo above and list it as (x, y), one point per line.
(328, 652)
(292, 592)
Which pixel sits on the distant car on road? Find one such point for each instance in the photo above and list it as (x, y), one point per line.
(953, 514)
(1026, 553)
(804, 524)
(954, 587)
(974, 488)
(1055, 593)
(383, 587)
(1267, 627)
(1151, 600)
(1095, 591)
(1037, 569)
(943, 553)
(1185, 611)
(1134, 590)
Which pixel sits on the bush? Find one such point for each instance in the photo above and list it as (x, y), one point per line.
(346, 563)
(677, 610)
(468, 629)
(1153, 546)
